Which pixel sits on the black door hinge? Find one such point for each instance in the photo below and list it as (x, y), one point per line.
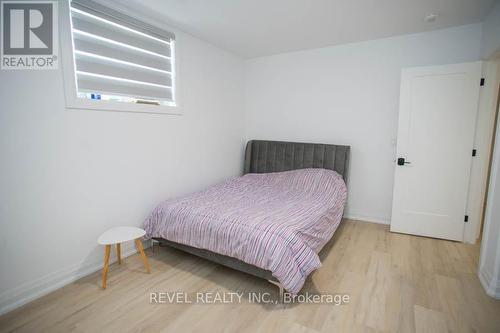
(466, 218)
(474, 152)
(481, 83)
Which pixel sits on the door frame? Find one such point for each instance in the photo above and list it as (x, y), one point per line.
(483, 142)
(489, 258)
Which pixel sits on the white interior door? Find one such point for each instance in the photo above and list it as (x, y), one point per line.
(437, 115)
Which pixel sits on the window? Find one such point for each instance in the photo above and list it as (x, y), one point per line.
(117, 58)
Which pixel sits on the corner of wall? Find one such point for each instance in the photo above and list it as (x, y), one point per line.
(490, 34)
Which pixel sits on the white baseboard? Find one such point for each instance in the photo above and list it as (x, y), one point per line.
(492, 288)
(367, 219)
(32, 290)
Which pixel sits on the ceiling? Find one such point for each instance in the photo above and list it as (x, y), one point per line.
(253, 28)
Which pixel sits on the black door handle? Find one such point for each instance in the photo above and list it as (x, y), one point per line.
(401, 161)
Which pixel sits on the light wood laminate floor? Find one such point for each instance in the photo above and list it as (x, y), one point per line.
(396, 283)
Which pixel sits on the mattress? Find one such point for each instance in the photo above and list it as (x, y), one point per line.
(276, 221)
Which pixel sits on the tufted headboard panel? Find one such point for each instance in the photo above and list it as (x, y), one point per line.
(275, 156)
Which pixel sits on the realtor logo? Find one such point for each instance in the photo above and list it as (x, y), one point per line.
(29, 35)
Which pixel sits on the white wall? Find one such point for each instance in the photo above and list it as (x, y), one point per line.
(68, 175)
(490, 40)
(348, 94)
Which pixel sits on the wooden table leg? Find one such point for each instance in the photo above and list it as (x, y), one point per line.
(107, 252)
(119, 253)
(140, 248)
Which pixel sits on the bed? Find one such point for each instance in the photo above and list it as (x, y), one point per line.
(272, 221)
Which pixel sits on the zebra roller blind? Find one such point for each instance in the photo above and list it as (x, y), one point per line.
(120, 58)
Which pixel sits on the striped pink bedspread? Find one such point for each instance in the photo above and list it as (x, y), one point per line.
(275, 221)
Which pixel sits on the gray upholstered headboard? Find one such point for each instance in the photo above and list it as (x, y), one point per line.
(274, 156)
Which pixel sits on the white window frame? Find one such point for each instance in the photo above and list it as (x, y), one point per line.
(69, 71)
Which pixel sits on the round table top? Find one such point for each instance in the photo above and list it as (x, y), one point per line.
(120, 234)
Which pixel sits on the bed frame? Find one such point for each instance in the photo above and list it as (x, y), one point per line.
(275, 156)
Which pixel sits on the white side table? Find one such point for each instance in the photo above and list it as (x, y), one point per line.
(117, 236)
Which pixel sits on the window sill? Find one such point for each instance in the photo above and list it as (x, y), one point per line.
(100, 105)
